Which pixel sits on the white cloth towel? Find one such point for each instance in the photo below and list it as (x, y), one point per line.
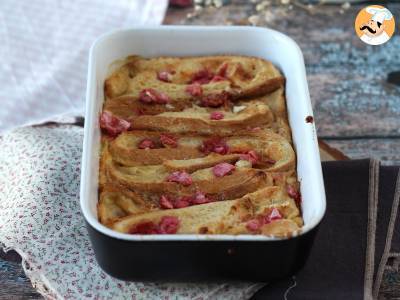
(44, 47)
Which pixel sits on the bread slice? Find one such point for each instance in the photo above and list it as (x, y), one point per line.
(154, 179)
(116, 201)
(225, 217)
(125, 149)
(268, 145)
(277, 104)
(246, 76)
(191, 165)
(203, 114)
(128, 107)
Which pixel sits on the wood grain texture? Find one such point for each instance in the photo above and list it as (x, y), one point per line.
(13, 281)
(387, 150)
(328, 153)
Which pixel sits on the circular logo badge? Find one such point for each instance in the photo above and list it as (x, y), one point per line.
(374, 25)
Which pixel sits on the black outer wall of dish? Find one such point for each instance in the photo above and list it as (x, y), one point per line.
(185, 261)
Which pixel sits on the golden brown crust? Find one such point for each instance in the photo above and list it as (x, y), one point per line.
(270, 146)
(191, 165)
(149, 179)
(248, 76)
(249, 125)
(116, 201)
(198, 120)
(223, 217)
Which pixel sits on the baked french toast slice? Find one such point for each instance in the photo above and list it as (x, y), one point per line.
(268, 111)
(274, 153)
(240, 76)
(252, 213)
(116, 202)
(197, 145)
(198, 119)
(159, 179)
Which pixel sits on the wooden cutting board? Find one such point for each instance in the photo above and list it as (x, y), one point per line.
(328, 153)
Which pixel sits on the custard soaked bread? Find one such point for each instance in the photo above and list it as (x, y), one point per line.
(197, 145)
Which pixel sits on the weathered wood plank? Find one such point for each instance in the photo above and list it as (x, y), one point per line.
(13, 282)
(387, 150)
(328, 153)
(347, 78)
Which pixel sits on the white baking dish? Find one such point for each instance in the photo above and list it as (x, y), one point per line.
(190, 41)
